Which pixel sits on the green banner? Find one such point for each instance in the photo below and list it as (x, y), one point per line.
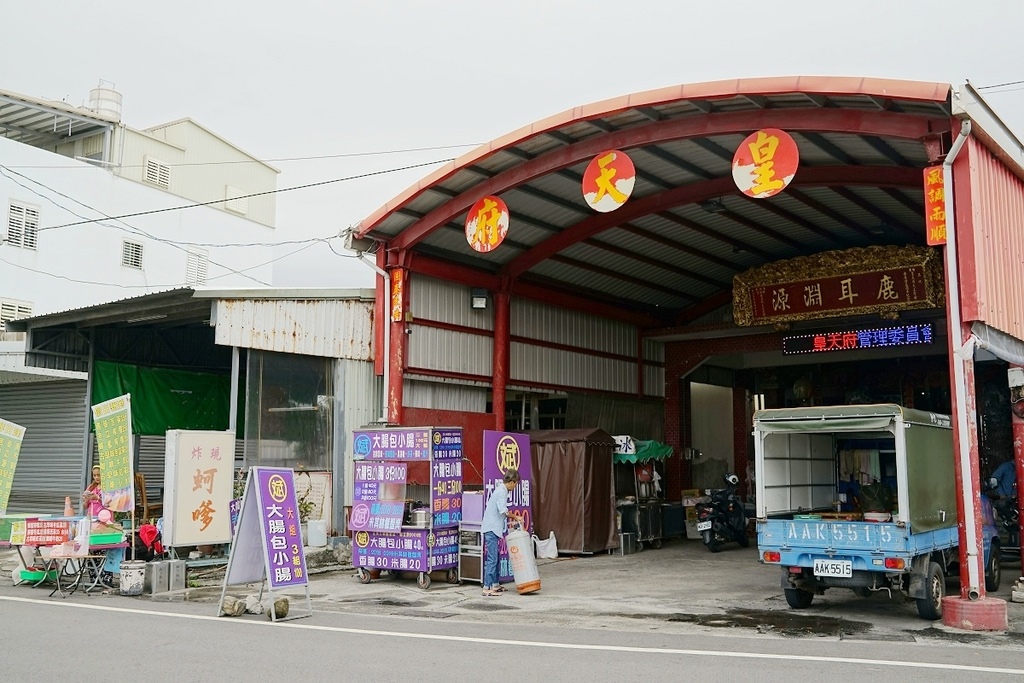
(174, 399)
(112, 420)
(11, 436)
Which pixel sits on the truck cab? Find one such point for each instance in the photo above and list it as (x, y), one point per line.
(861, 497)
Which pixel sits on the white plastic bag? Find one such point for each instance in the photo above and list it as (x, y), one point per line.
(546, 549)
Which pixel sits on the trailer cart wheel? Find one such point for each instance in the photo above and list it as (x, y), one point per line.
(453, 576)
(930, 606)
(798, 598)
(423, 580)
(656, 543)
(363, 575)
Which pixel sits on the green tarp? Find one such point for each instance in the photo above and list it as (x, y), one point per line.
(646, 450)
(165, 399)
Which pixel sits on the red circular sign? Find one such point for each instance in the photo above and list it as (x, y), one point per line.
(765, 163)
(608, 180)
(487, 224)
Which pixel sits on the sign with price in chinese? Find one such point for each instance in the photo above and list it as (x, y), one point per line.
(112, 421)
(378, 496)
(198, 483)
(11, 435)
(267, 543)
(504, 451)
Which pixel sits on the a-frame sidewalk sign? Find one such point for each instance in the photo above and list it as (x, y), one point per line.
(267, 545)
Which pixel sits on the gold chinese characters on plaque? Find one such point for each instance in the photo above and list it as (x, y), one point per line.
(859, 281)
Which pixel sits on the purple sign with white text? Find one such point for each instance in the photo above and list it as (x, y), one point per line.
(503, 451)
(392, 444)
(411, 550)
(378, 496)
(279, 519)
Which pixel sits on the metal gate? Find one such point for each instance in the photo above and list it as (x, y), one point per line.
(50, 465)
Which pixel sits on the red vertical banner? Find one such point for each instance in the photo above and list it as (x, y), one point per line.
(934, 206)
(397, 291)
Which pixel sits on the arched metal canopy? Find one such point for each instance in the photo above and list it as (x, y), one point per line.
(668, 256)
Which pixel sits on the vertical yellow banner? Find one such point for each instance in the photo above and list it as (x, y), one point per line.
(113, 422)
(11, 436)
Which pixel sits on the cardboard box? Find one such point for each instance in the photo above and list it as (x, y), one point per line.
(691, 493)
(691, 513)
(691, 529)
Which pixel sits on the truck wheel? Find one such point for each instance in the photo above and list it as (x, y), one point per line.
(711, 541)
(797, 598)
(930, 606)
(994, 570)
(744, 539)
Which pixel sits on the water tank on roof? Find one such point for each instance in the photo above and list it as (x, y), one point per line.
(104, 100)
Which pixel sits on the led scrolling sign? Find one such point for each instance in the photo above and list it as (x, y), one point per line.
(852, 340)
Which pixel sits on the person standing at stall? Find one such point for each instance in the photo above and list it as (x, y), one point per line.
(92, 497)
(494, 526)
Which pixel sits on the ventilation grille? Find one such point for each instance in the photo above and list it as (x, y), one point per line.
(131, 254)
(158, 173)
(23, 225)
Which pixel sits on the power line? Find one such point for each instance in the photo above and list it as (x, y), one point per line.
(248, 196)
(345, 155)
(999, 85)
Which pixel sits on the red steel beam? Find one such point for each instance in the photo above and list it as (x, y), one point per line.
(883, 124)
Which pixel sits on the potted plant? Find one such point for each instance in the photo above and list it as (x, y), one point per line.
(308, 508)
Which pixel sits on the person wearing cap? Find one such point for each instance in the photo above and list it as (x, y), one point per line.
(494, 526)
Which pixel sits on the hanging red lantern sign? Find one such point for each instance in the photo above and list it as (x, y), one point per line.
(608, 181)
(765, 163)
(487, 224)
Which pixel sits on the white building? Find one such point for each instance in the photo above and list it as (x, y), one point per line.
(96, 211)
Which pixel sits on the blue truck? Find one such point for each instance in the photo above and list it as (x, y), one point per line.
(814, 470)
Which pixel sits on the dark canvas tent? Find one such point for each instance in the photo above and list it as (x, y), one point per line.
(574, 492)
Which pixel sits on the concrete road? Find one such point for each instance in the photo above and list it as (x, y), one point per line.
(120, 637)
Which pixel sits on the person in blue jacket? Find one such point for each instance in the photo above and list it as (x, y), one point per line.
(494, 526)
(1005, 479)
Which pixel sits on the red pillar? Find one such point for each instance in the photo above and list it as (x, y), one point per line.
(1017, 420)
(396, 354)
(500, 371)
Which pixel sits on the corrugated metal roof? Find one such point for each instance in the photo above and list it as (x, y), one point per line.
(686, 229)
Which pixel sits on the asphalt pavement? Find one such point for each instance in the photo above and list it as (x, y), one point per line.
(678, 588)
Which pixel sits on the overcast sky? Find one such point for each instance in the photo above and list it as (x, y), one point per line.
(335, 90)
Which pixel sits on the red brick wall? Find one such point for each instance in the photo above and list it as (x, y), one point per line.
(682, 358)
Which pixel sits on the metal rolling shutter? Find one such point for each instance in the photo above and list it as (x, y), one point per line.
(50, 465)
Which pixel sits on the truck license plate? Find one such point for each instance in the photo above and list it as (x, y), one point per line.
(838, 568)
(703, 526)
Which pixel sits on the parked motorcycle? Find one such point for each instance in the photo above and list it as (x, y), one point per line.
(723, 519)
(1009, 519)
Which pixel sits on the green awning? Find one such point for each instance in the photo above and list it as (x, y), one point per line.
(646, 450)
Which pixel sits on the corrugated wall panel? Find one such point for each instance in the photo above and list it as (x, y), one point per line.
(997, 245)
(442, 301)
(435, 349)
(568, 369)
(331, 328)
(536, 320)
(445, 396)
(50, 465)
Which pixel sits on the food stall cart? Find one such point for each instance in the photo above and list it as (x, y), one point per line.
(388, 533)
(639, 471)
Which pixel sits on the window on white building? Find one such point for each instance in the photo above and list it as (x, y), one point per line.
(158, 173)
(22, 225)
(196, 266)
(131, 254)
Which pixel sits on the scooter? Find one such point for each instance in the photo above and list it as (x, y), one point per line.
(723, 519)
(1009, 519)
